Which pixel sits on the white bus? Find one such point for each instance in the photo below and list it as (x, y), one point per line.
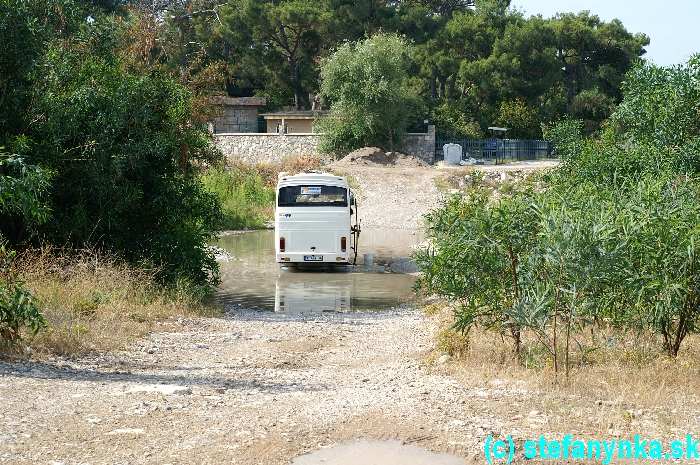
(315, 220)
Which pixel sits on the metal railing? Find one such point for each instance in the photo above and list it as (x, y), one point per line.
(497, 150)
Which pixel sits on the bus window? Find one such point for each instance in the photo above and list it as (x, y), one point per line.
(312, 196)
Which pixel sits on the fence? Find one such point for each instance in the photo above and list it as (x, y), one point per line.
(498, 150)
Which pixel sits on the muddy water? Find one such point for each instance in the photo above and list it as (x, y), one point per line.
(375, 453)
(252, 279)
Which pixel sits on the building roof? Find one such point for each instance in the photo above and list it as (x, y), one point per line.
(295, 114)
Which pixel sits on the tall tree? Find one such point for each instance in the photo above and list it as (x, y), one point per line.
(286, 35)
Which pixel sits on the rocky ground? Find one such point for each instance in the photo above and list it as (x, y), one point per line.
(251, 388)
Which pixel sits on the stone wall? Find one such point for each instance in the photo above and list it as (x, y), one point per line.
(272, 147)
(266, 147)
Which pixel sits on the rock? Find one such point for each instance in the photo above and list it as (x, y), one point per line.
(126, 431)
(403, 265)
(166, 389)
(443, 359)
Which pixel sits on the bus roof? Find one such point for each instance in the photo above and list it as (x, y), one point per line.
(311, 178)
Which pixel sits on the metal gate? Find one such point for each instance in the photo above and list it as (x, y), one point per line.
(498, 150)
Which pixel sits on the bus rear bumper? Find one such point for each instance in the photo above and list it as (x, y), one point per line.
(310, 259)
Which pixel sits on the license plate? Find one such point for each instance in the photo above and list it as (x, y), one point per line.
(313, 258)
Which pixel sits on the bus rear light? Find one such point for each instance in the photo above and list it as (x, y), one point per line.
(282, 244)
(343, 244)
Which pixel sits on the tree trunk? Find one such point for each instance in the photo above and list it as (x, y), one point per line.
(301, 101)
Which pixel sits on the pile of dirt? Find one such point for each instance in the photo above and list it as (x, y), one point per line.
(374, 156)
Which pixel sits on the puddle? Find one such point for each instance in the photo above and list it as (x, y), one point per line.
(252, 279)
(376, 453)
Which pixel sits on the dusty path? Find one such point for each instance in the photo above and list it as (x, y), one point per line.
(249, 389)
(394, 197)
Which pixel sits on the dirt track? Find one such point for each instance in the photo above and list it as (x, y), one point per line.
(247, 390)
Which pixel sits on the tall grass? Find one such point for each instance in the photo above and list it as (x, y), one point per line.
(246, 197)
(93, 302)
(247, 192)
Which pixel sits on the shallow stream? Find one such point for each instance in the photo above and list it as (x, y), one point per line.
(251, 279)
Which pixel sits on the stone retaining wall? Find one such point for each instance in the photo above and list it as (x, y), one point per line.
(266, 147)
(273, 147)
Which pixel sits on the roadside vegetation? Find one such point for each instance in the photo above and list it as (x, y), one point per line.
(602, 256)
(89, 301)
(246, 198)
(246, 192)
(101, 146)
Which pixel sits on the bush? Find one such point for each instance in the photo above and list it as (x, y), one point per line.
(371, 103)
(23, 196)
(123, 152)
(18, 308)
(246, 198)
(610, 242)
(92, 301)
(105, 154)
(474, 258)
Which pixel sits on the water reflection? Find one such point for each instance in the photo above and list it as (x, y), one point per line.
(252, 279)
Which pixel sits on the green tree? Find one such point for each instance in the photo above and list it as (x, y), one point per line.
(366, 84)
(271, 33)
(519, 118)
(106, 152)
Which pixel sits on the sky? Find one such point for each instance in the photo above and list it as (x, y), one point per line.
(672, 25)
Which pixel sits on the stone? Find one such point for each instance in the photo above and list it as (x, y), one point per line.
(443, 359)
(126, 431)
(166, 389)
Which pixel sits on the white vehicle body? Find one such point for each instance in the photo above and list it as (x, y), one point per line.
(313, 217)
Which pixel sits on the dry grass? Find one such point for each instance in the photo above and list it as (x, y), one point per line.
(94, 303)
(627, 385)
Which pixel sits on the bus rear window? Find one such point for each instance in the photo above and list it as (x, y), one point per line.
(313, 196)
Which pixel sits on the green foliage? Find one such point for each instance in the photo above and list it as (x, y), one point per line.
(366, 84)
(275, 44)
(452, 121)
(120, 145)
(474, 257)
(470, 59)
(23, 192)
(661, 105)
(517, 116)
(566, 135)
(610, 241)
(18, 308)
(246, 200)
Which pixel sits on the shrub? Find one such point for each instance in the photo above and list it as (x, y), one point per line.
(124, 153)
(18, 308)
(610, 242)
(93, 301)
(475, 258)
(246, 198)
(366, 85)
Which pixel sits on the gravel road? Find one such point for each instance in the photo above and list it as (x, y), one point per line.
(253, 388)
(394, 198)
